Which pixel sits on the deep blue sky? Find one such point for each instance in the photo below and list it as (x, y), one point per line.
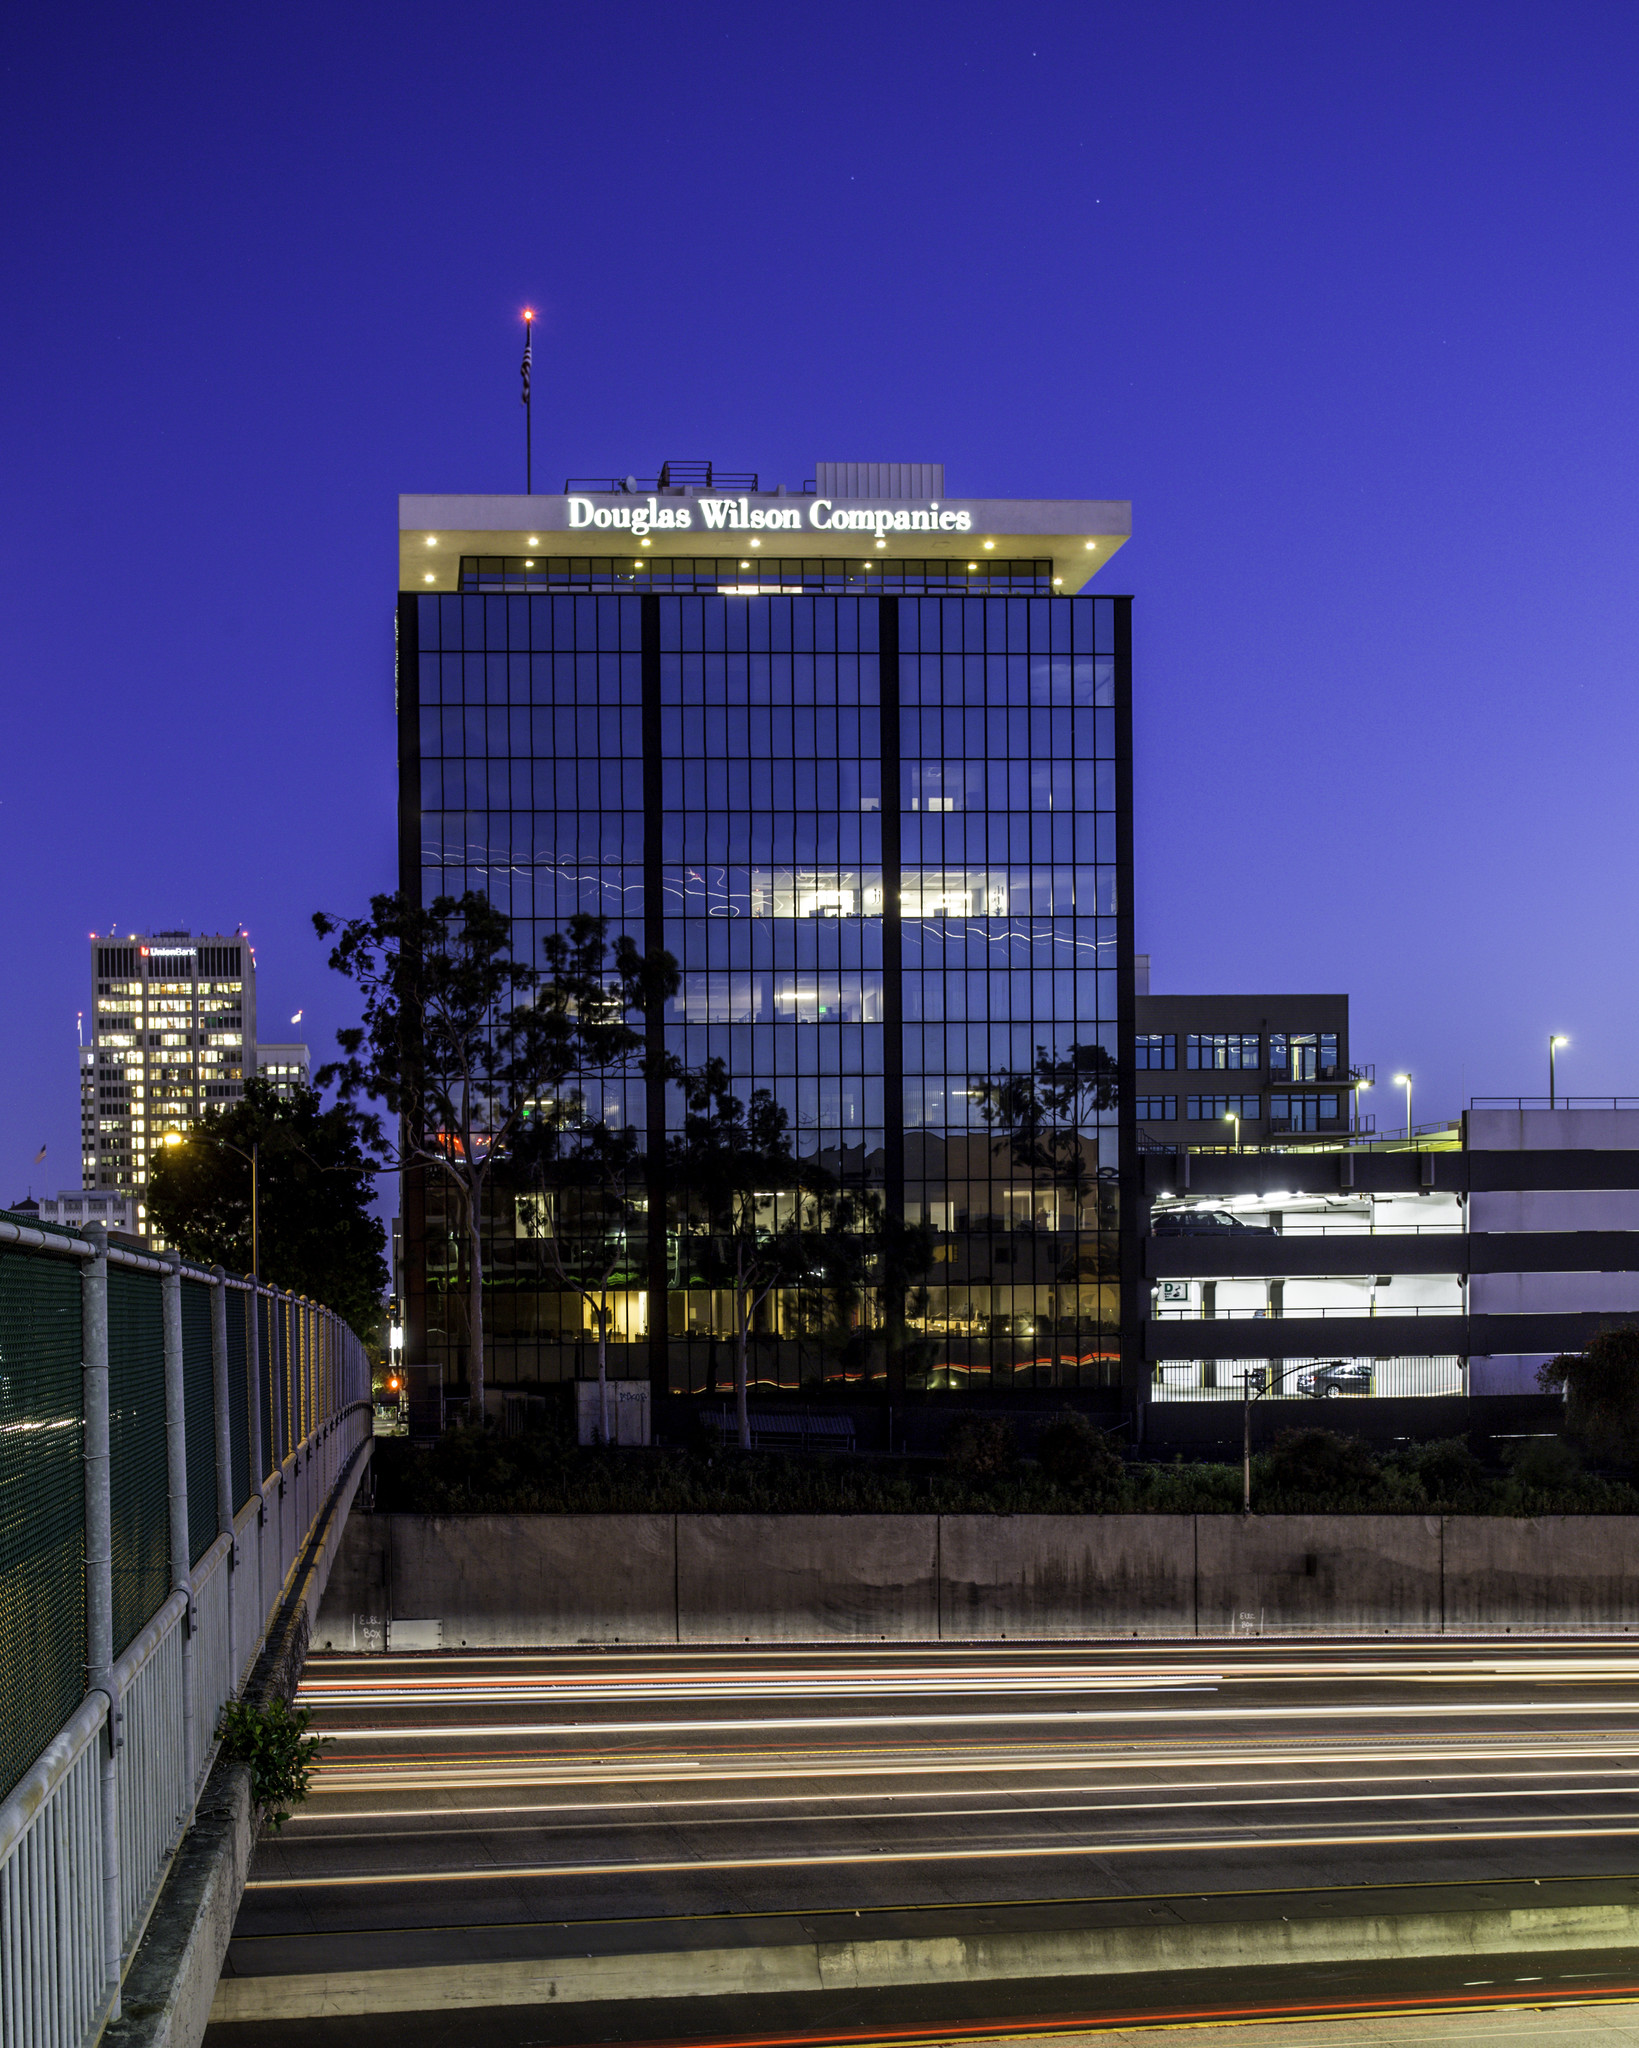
(1342, 299)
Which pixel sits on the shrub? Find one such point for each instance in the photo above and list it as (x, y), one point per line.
(1074, 1453)
(1319, 1462)
(1544, 1464)
(281, 1754)
(982, 1447)
(1601, 1388)
(1447, 1470)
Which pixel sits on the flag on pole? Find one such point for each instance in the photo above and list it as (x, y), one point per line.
(297, 1018)
(529, 345)
(39, 1155)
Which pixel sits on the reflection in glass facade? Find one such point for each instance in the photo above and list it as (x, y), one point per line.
(886, 838)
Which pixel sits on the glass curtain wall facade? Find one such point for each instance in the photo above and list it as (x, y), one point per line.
(887, 840)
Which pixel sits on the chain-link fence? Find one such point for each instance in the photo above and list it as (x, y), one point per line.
(240, 1450)
(42, 1505)
(136, 1449)
(138, 1574)
(201, 1423)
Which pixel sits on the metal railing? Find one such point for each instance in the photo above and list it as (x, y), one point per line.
(1365, 1312)
(1559, 1102)
(1406, 1376)
(88, 1831)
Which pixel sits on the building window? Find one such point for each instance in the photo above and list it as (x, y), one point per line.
(1211, 1108)
(1157, 1109)
(1157, 1051)
(1222, 1051)
(1303, 1055)
(1304, 1112)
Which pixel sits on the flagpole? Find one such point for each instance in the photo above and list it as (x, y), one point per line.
(529, 420)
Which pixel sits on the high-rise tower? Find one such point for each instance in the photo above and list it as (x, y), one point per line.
(173, 1021)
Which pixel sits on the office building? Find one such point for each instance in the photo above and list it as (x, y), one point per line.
(857, 754)
(1407, 1288)
(76, 1207)
(1241, 1070)
(285, 1067)
(172, 1016)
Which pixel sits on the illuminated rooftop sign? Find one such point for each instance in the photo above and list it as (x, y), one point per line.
(741, 515)
(1077, 536)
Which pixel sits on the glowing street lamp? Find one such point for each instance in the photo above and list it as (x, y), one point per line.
(1360, 1081)
(1231, 1118)
(1555, 1041)
(252, 1159)
(1404, 1081)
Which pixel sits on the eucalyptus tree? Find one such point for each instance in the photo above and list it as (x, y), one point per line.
(463, 1044)
(754, 1216)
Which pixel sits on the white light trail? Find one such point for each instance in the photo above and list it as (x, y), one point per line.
(1510, 1784)
(827, 1683)
(594, 1819)
(1295, 1711)
(465, 1693)
(413, 1775)
(985, 1852)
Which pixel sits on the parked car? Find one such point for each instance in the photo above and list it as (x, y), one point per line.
(1336, 1376)
(1202, 1222)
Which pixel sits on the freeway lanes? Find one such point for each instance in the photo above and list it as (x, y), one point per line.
(506, 1810)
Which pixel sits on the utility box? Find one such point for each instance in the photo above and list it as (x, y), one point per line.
(628, 1412)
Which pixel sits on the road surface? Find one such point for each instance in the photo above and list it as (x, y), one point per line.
(495, 1810)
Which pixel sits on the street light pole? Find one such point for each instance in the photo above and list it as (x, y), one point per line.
(1231, 1118)
(1555, 1041)
(1404, 1081)
(252, 1159)
(1360, 1082)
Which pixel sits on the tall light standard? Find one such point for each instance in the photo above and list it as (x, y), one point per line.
(1360, 1081)
(1554, 1043)
(1231, 1118)
(252, 1160)
(1404, 1081)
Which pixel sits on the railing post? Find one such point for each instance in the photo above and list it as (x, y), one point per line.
(259, 1441)
(176, 1477)
(276, 1379)
(99, 1586)
(224, 1448)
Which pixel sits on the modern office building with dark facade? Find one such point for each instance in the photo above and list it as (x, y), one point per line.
(858, 756)
(1242, 1070)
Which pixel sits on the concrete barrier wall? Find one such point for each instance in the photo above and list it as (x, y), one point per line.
(795, 1578)
(1067, 1575)
(1558, 1571)
(543, 1581)
(1356, 1574)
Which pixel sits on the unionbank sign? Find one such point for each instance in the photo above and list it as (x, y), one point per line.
(740, 515)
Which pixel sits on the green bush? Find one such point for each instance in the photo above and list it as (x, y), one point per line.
(983, 1447)
(1544, 1465)
(1446, 1473)
(482, 1472)
(1317, 1464)
(1075, 1454)
(1601, 1386)
(281, 1754)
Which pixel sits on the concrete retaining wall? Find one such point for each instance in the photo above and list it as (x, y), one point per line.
(762, 1969)
(1558, 1571)
(537, 1581)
